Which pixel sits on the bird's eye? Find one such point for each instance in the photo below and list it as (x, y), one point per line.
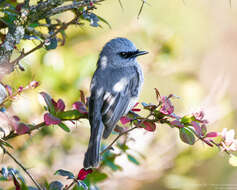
(123, 54)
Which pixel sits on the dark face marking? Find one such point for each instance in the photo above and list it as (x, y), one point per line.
(131, 54)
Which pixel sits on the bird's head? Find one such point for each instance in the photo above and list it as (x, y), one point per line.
(119, 52)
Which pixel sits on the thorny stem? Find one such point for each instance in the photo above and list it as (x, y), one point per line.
(22, 167)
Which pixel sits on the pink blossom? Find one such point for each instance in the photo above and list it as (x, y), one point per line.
(199, 116)
(166, 107)
(228, 143)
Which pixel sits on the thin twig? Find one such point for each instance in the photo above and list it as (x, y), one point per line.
(22, 167)
(13, 134)
(121, 134)
(70, 185)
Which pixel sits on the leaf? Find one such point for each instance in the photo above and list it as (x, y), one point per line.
(60, 105)
(124, 120)
(4, 172)
(123, 147)
(149, 126)
(212, 134)
(48, 101)
(186, 136)
(233, 160)
(82, 184)
(83, 173)
(197, 128)
(22, 129)
(112, 165)
(64, 127)
(56, 185)
(186, 119)
(132, 159)
(97, 176)
(71, 115)
(158, 97)
(52, 44)
(92, 18)
(83, 97)
(81, 107)
(104, 21)
(66, 173)
(49, 119)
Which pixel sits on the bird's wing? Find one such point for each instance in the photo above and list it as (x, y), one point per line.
(117, 103)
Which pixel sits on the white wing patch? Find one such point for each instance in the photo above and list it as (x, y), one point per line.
(120, 85)
(104, 62)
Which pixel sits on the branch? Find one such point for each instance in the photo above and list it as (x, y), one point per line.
(111, 144)
(63, 27)
(22, 167)
(13, 134)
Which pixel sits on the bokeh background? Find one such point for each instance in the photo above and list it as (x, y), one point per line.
(193, 54)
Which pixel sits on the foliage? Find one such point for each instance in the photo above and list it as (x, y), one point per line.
(37, 23)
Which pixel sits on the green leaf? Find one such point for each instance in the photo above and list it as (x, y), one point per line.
(112, 165)
(186, 119)
(97, 176)
(123, 147)
(233, 160)
(186, 135)
(5, 143)
(104, 21)
(71, 115)
(132, 159)
(66, 173)
(64, 127)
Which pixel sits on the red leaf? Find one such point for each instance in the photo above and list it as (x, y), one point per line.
(212, 134)
(149, 126)
(176, 123)
(60, 105)
(51, 120)
(83, 173)
(80, 107)
(22, 129)
(124, 120)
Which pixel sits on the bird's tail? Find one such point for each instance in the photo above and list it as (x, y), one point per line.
(92, 156)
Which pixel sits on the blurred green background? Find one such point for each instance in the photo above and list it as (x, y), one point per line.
(192, 47)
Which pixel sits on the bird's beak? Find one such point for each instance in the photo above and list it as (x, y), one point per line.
(138, 53)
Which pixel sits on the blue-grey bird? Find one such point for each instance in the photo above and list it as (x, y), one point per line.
(115, 88)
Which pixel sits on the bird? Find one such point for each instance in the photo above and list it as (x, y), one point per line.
(114, 90)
